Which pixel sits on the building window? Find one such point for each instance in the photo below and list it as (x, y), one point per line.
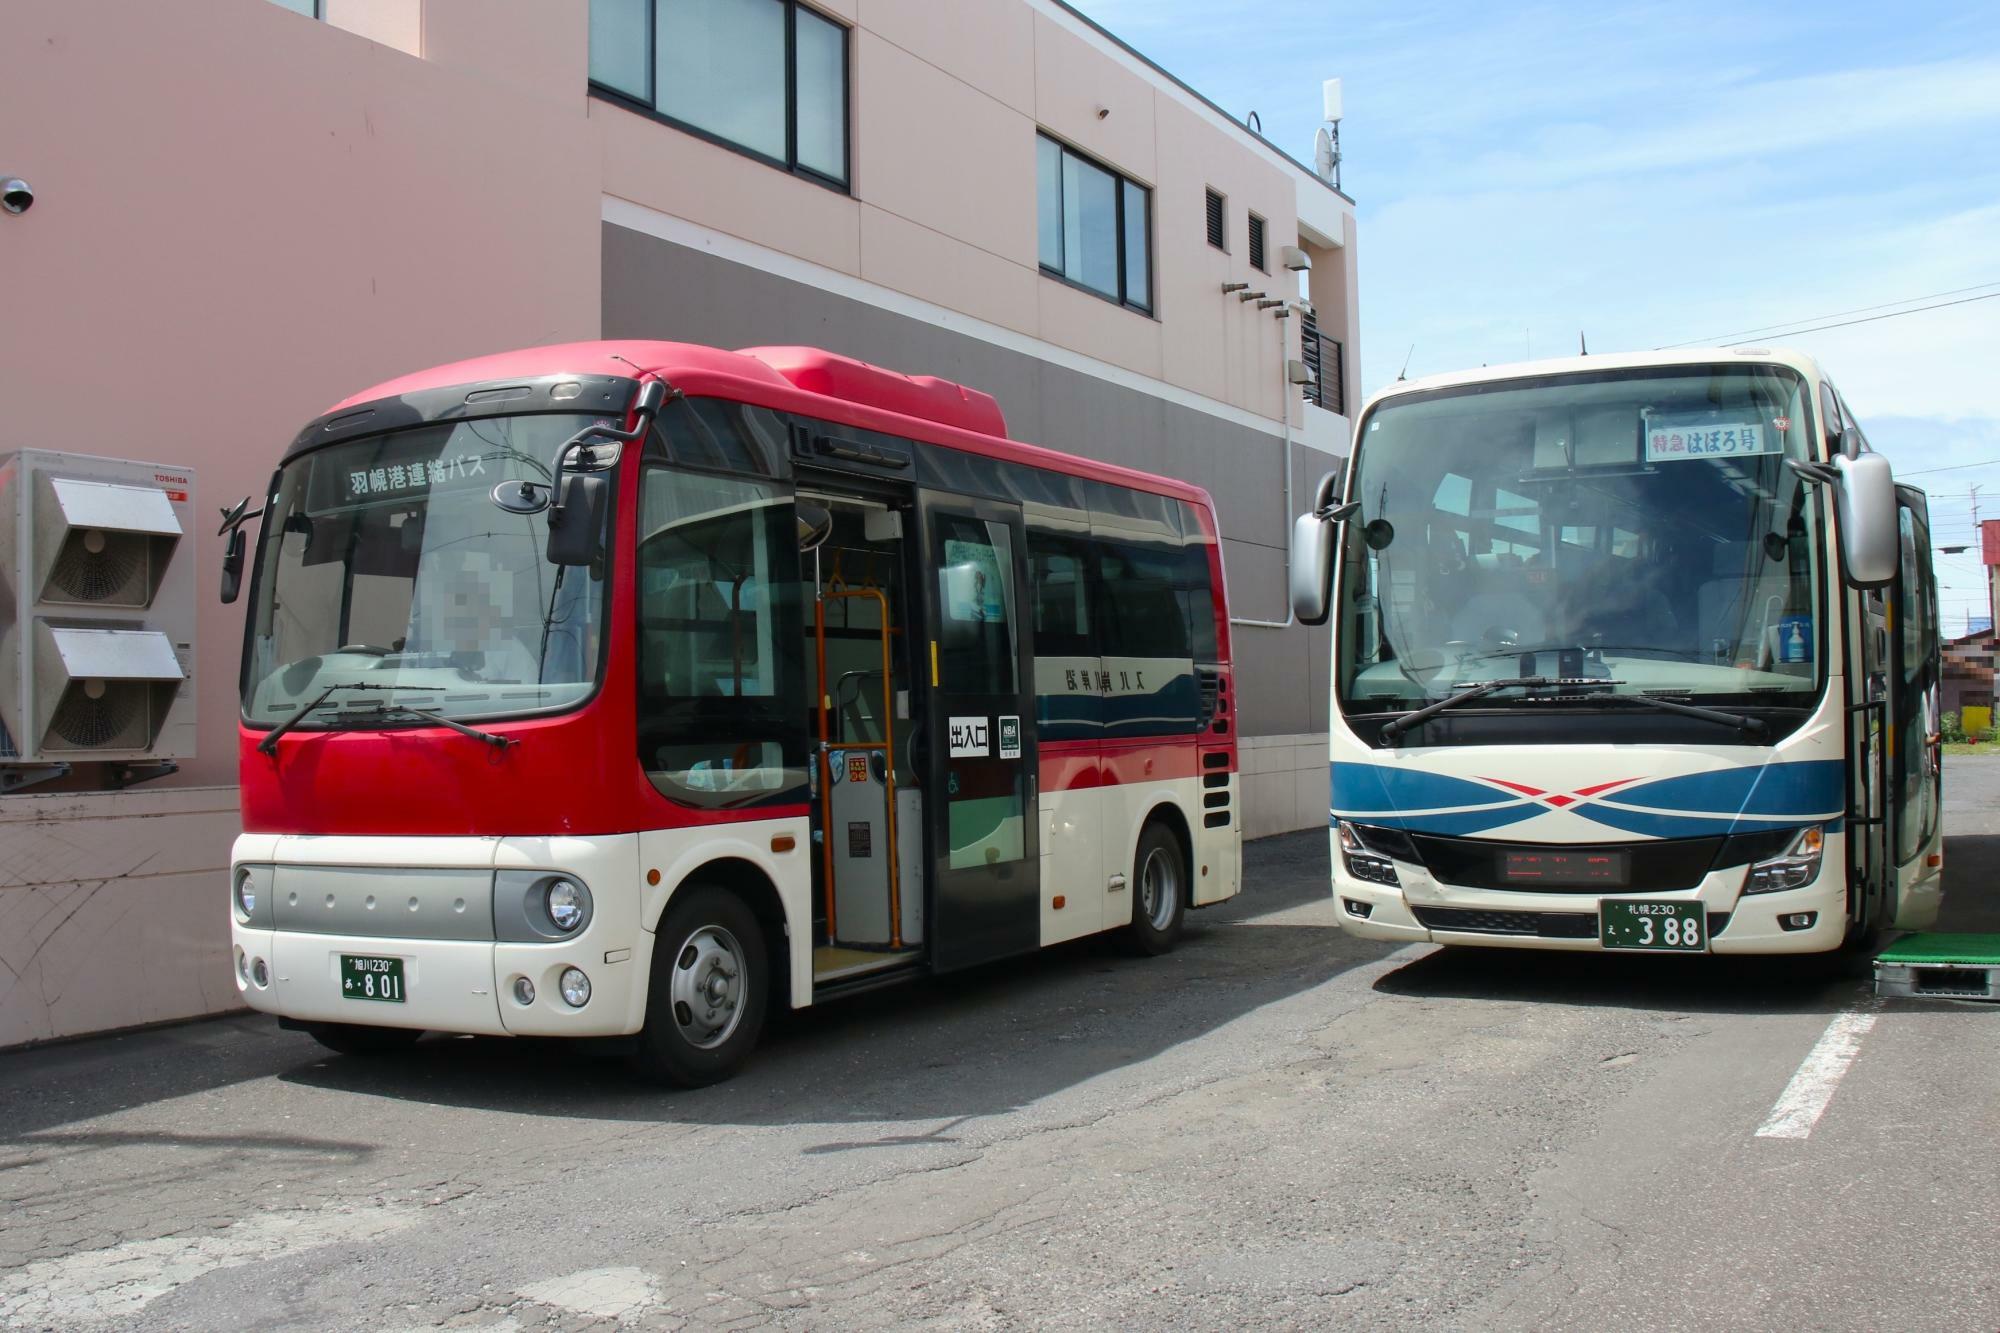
(1257, 244)
(1216, 236)
(309, 8)
(765, 77)
(1095, 226)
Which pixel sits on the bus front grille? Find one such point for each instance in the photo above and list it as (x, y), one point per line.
(1546, 925)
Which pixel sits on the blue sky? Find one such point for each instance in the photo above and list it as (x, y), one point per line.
(1653, 174)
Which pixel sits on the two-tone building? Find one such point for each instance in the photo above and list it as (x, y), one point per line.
(240, 214)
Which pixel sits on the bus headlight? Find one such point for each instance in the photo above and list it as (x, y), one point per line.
(566, 904)
(246, 896)
(1362, 862)
(1796, 868)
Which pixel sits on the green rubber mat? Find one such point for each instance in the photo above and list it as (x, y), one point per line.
(1937, 948)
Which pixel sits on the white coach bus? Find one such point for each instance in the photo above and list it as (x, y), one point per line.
(1631, 652)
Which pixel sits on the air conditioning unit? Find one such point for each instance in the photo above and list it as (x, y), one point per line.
(96, 615)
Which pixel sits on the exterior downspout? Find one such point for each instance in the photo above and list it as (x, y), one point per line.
(1285, 405)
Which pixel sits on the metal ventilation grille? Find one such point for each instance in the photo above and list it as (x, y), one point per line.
(113, 719)
(1257, 244)
(1216, 236)
(100, 567)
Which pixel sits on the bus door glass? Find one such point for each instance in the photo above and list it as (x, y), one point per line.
(1913, 696)
(981, 750)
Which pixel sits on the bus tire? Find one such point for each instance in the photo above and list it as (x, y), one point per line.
(1159, 890)
(709, 990)
(359, 1039)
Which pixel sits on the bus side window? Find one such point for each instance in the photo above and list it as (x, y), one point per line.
(1066, 661)
(1148, 676)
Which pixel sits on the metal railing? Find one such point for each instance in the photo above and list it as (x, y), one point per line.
(1325, 358)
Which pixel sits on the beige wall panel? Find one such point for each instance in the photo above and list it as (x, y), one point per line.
(113, 911)
(397, 23)
(1215, 343)
(1073, 79)
(538, 46)
(1098, 328)
(677, 173)
(207, 279)
(900, 254)
(943, 154)
(989, 44)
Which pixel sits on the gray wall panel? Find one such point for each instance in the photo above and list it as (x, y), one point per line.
(657, 289)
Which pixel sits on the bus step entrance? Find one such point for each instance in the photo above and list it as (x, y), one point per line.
(1942, 967)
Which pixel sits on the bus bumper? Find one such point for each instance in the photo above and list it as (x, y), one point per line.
(458, 985)
(1755, 925)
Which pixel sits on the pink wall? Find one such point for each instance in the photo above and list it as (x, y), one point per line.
(226, 246)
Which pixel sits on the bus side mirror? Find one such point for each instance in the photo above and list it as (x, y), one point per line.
(232, 566)
(577, 517)
(1312, 568)
(1869, 536)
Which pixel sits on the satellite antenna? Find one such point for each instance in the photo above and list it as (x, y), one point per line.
(1326, 144)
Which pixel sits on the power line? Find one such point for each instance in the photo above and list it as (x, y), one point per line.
(1838, 314)
(1955, 467)
(1870, 319)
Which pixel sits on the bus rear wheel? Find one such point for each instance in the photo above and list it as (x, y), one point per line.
(358, 1039)
(710, 986)
(1159, 890)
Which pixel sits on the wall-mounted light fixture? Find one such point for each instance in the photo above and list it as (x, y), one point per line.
(1295, 259)
(1103, 111)
(16, 195)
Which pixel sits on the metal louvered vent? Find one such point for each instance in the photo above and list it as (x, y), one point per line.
(101, 567)
(97, 715)
(1216, 236)
(1257, 244)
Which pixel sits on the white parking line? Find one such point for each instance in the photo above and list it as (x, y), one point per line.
(1799, 1108)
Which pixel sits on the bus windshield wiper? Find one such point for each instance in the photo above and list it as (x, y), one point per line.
(1743, 722)
(384, 709)
(269, 745)
(1409, 721)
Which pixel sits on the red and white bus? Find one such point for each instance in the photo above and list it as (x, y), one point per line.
(626, 689)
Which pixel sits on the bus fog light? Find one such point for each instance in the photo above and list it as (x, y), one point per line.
(575, 987)
(260, 974)
(1797, 867)
(1798, 920)
(1356, 908)
(524, 991)
(243, 966)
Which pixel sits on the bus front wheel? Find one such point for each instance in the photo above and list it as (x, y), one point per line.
(710, 984)
(1159, 890)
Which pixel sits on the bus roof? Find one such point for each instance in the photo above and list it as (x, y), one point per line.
(806, 380)
(1569, 365)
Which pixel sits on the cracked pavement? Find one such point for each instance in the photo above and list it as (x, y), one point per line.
(1277, 1126)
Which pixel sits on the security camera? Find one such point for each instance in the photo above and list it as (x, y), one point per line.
(16, 195)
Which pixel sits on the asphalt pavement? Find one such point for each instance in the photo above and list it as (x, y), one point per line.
(1275, 1126)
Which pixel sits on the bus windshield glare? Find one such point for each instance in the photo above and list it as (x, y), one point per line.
(386, 563)
(1639, 527)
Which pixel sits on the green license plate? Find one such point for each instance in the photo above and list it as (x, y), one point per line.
(1674, 927)
(379, 979)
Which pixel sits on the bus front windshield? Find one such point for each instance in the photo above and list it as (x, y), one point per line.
(386, 563)
(1638, 527)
